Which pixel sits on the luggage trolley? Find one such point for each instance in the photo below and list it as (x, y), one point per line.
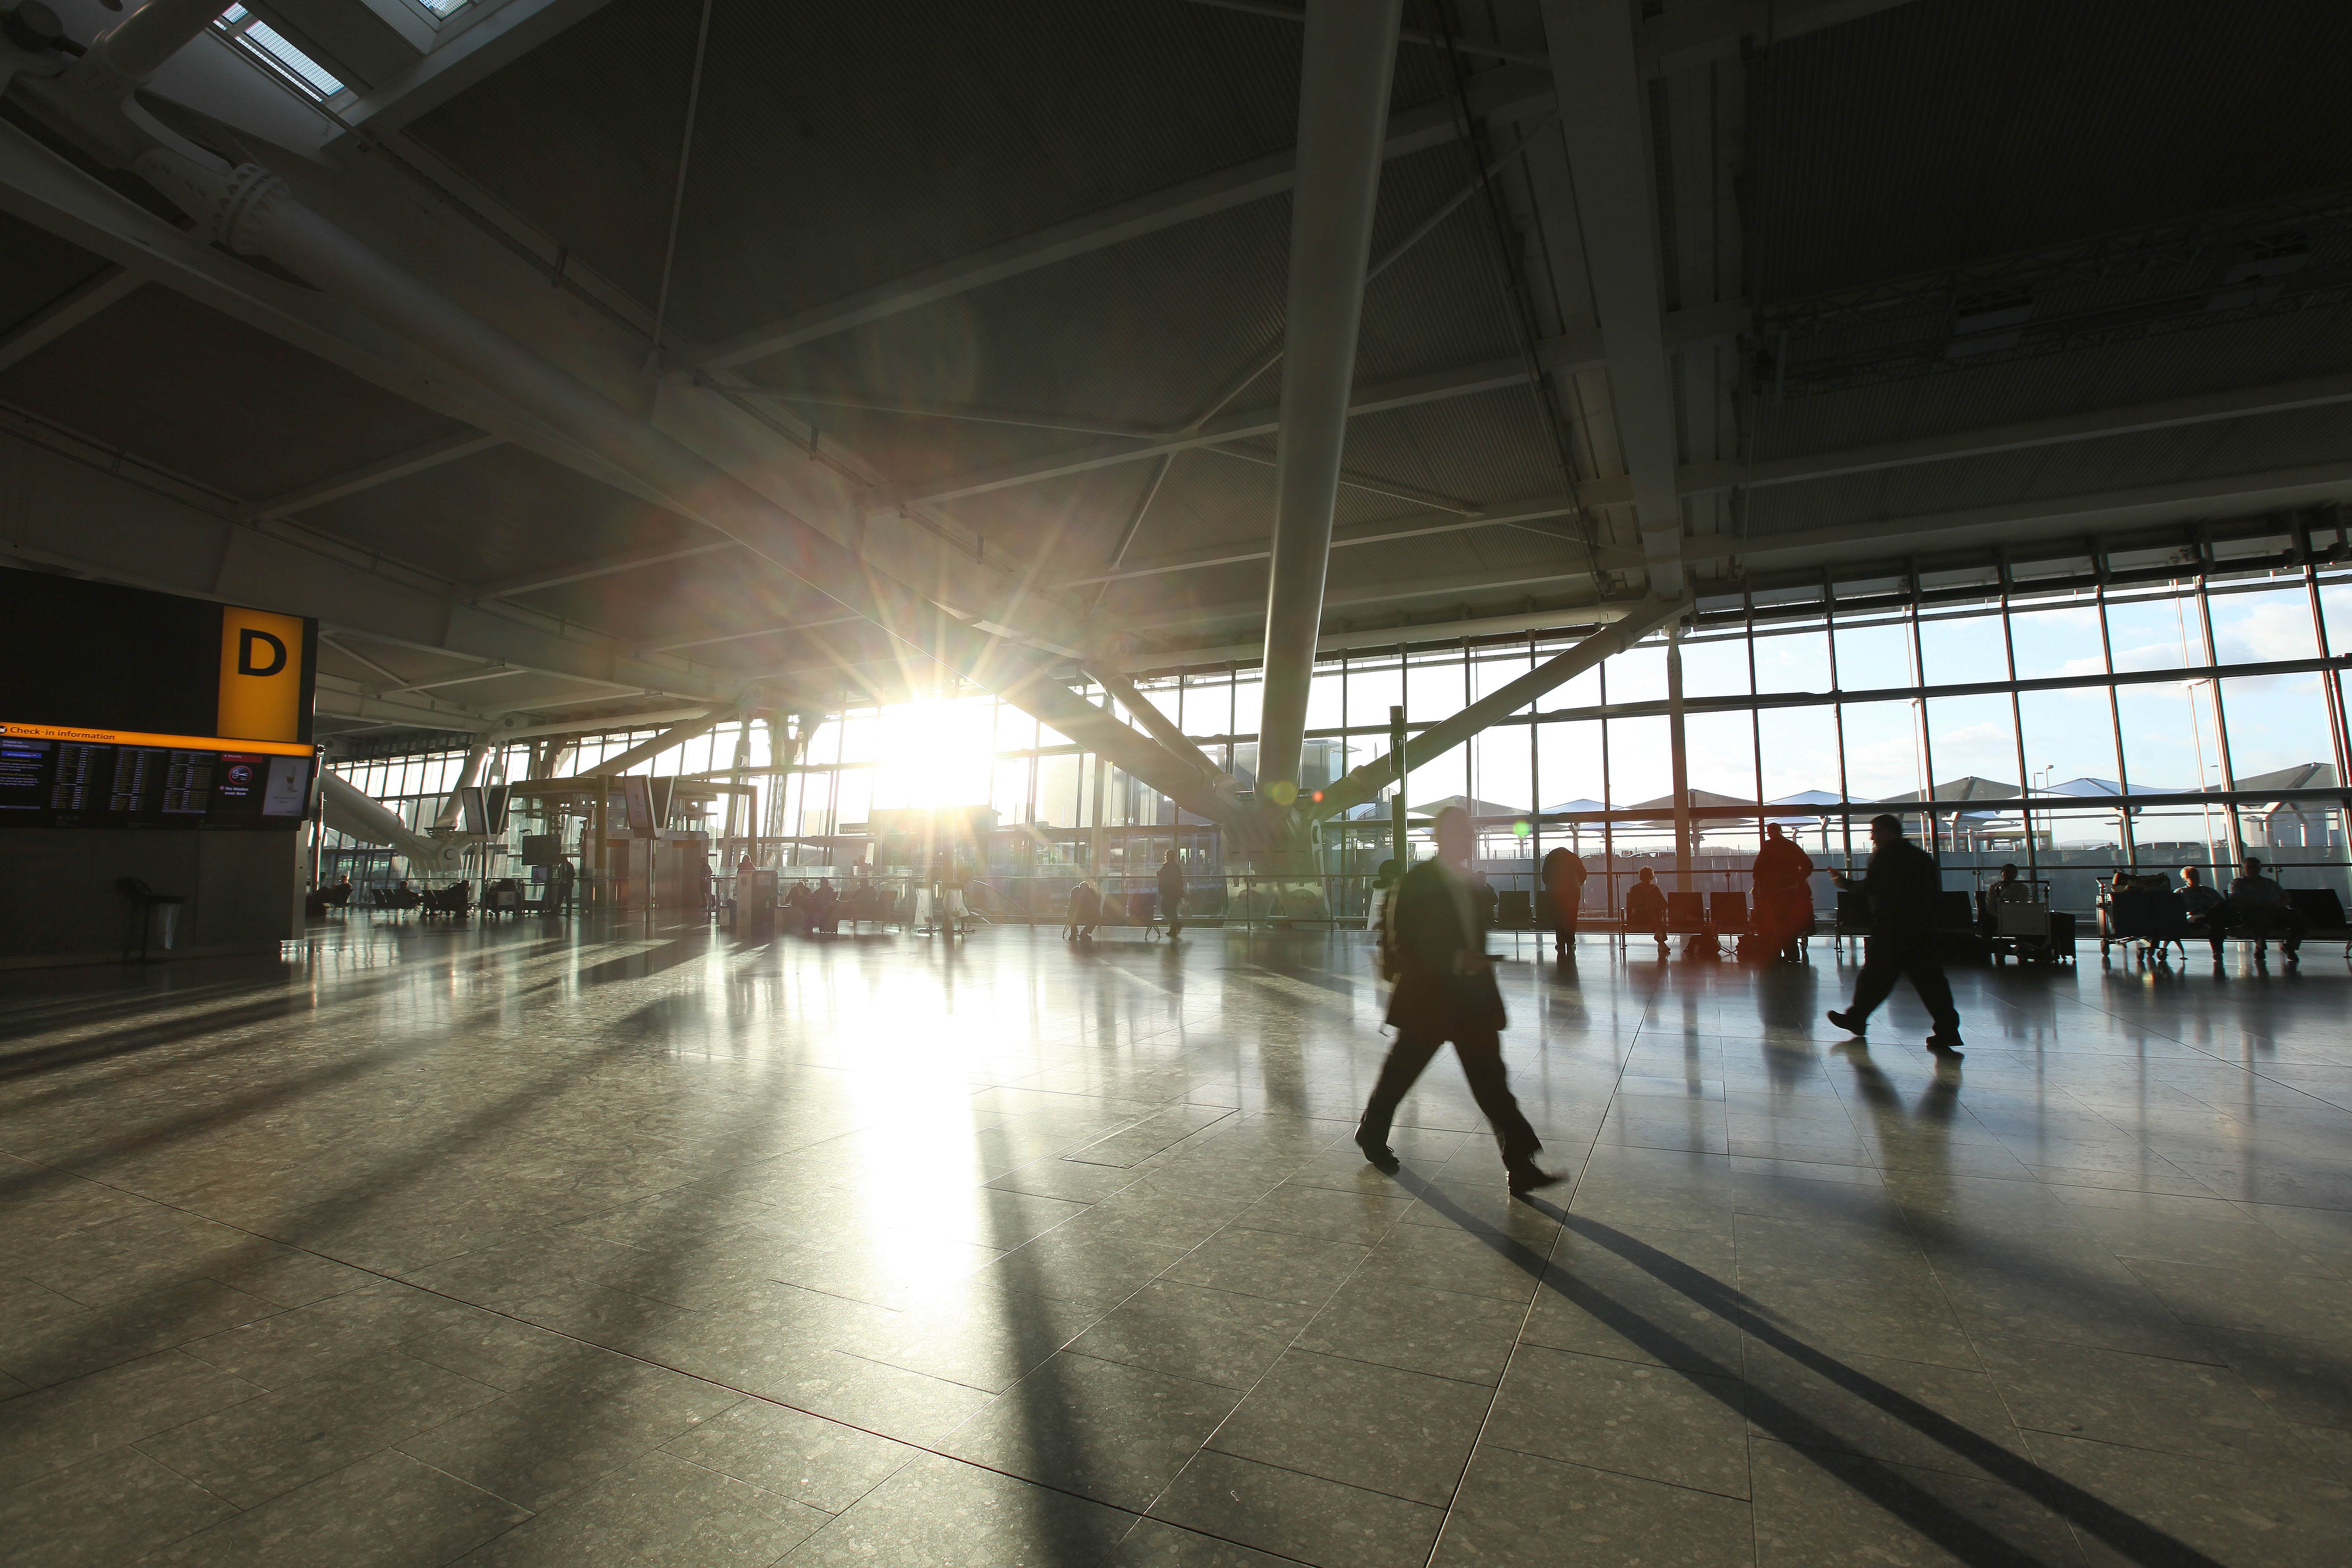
(2024, 926)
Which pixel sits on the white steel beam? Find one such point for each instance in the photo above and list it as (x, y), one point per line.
(69, 310)
(1514, 513)
(1494, 95)
(1366, 783)
(514, 587)
(1598, 78)
(1577, 350)
(2240, 403)
(2232, 496)
(153, 540)
(367, 476)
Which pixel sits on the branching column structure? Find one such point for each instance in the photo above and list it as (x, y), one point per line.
(1343, 100)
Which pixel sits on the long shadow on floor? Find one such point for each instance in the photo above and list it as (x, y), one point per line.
(1964, 1536)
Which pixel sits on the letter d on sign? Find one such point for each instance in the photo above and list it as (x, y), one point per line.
(261, 675)
(248, 640)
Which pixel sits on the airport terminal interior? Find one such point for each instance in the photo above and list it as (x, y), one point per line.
(746, 748)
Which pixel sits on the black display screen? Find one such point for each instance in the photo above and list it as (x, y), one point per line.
(82, 783)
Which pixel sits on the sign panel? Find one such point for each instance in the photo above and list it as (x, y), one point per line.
(261, 668)
(121, 708)
(638, 793)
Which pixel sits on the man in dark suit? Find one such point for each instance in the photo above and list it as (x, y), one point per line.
(1436, 946)
(1903, 885)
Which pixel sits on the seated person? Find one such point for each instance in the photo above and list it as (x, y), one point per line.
(1645, 906)
(824, 907)
(2257, 904)
(2208, 912)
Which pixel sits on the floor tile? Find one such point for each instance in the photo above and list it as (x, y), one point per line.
(1387, 1430)
(1191, 1331)
(1836, 1511)
(659, 1508)
(2187, 1408)
(1520, 1507)
(1299, 1271)
(1099, 1429)
(941, 1511)
(791, 1454)
(1443, 1333)
(252, 1452)
(1650, 1422)
(385, 1509)
(2155, 1505)
(110, 1508)
(1298, 1516)
(68, 1421)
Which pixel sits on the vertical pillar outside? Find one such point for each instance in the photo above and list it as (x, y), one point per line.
(1680, 757)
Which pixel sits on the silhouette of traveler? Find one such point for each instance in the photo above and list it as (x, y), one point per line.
(2208, 912)
(1784, 899)
(1902, 885)
(2257, 904)
(1172, 894)
(1645, 906)
(1563, 879)
(1085, 911)
(1446, 991)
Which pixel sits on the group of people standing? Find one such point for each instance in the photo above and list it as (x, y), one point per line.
(1782, 915)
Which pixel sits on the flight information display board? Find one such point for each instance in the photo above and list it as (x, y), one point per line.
(121, 708)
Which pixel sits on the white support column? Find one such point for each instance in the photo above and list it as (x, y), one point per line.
(1599, 79)
(1350, 57)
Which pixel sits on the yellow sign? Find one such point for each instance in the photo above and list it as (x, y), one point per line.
(261, 675)
(88, 736)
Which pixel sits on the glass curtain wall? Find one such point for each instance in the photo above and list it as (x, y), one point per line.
(2074, 733)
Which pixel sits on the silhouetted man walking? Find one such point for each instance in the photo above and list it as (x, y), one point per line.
(1902, 885)
(1446, 991)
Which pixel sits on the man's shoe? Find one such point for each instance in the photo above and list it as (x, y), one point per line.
(1379, 1156)
(1945, 1045)
(1526, 1178)
(1848, 1021)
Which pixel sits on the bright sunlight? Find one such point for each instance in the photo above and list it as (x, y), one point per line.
(934, 754)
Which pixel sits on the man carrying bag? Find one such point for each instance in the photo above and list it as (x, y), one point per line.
(1435, 947)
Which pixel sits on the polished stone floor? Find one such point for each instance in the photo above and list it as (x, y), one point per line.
(533, 1244)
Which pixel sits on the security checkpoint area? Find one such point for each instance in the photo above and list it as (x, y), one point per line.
(1200, 784)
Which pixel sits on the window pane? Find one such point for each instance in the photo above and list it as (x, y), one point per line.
(2269, 625)
(1797, 661)
(2069, 740)
(1641, 767)
(1715, 667)
(1639, 674)
(1974, 744)
(2279, 732)
(2056, 642)
(1874, 655)
(1959, 649)
(1570, 756)
(1881, 749)
(2156, 633)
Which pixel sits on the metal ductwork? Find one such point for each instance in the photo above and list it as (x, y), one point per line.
(351, 811)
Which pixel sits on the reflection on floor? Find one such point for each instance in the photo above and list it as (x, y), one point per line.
(530, 1245)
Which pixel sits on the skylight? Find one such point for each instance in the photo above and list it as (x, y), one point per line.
(266, 44)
